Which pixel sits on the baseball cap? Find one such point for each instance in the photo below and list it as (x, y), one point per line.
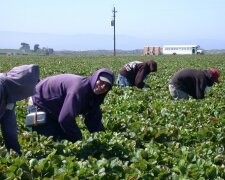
(106, 78)
(215, 73)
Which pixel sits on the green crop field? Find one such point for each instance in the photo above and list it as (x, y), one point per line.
(148, 134)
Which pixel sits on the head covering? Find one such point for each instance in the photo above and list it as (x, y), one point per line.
(95, 76)
(20, 82)
(93, 79)
(215, 73)
(152, 66)
(106, 78)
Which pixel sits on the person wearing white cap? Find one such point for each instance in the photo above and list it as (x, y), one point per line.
(103, 84)
(65, 96)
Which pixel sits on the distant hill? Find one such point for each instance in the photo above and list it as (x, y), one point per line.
(216, 51)
(100, 52)
(9, 52)
(87, 42)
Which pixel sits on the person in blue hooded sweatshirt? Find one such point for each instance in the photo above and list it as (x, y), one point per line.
(15, 85)
(65, 96)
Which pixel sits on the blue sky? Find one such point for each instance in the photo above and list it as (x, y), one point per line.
(149, 22)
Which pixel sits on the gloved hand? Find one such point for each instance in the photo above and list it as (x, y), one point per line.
(147, 86)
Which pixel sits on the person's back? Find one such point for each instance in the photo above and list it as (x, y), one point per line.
(53, 92)
(17, 84)
(134, 73)
(192, 82)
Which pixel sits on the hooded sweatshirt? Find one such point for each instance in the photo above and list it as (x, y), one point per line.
(193, 81)
(17, 84)
(66, 96)
(137, 71)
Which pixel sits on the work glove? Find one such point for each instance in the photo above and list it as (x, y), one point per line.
(147, 86)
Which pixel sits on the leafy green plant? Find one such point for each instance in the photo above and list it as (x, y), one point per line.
(148, 134)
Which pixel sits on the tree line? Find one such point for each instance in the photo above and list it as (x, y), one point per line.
(26, 47)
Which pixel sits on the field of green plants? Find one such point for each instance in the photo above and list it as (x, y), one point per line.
(148, 134)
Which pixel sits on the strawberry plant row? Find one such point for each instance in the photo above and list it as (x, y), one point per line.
(148, 134)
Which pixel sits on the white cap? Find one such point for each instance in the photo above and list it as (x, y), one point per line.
(106, 78)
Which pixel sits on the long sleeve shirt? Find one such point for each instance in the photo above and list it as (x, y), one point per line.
(137, 71)
(17, 84)
(193, 81)
(65, 96)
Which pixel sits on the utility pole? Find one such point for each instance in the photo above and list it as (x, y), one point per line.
(113, 23)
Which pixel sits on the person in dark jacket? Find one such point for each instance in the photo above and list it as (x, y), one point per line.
(192, 82)
(65, 96)
(134, 73)
(15, 85)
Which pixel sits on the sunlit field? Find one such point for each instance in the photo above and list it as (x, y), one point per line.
(148, 134)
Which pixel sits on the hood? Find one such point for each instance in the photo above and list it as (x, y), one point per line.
(20, 82)
(152, 66)
(96, 74)
(94, 78)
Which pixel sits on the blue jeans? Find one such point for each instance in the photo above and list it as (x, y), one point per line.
(31, 108)
(177, 94)
(123, 81)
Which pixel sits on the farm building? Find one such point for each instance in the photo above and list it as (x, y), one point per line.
(152, 50)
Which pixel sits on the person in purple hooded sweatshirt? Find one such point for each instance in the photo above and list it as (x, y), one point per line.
(15, 85)
(134, 73)
(65, 96)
